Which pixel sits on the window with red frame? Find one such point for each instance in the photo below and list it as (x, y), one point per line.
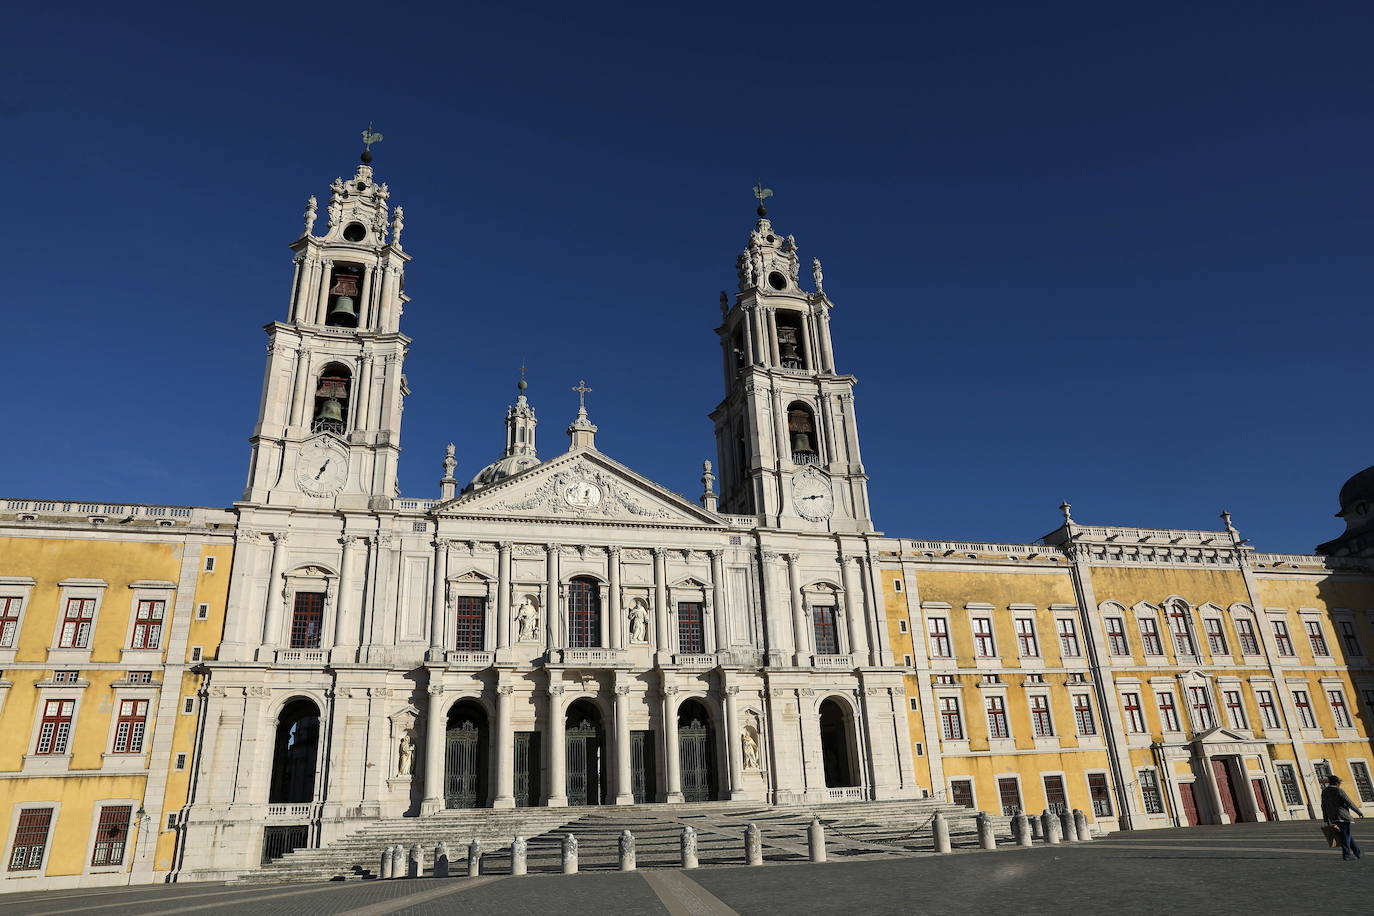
(939, 637)
(1352, 642)
(1235, 708)
(1068, 638)
(1216, 637)
(691, 629)
(961, 792)
(1285, 642)
(470, 615)
(1168, 712)
(1040, 717)
(1269, 713)
(1149, 636)
(1339, 710)
(9, 620)
(997, 718)
(1317, 638)
(982, 637)
(1202, 708)
(130, 726)
(1025, 637)
(1135, 720)
(1178, 625)
(1083, 714)
(827, 640)
(148, 624)
(111, 835)
(30, 839)
(584, 613)
(1116, 637)
(55, 729)
(1304, 706)
(951, 726)
(1249, 643)
(76, 624)
(307, 620)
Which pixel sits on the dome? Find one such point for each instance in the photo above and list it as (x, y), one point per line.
(500, 469)
(1359, 488)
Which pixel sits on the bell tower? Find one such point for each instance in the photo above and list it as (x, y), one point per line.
(786, 438)
(328, 430)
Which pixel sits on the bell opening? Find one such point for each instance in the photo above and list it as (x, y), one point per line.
(331, 400)
(790, 353)
(344, 286)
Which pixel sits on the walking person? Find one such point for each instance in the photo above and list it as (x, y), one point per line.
(1336, 808)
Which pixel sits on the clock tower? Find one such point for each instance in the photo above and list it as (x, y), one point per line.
(786, 437)
(328, 430)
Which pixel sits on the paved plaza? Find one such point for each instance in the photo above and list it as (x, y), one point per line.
(1243, 869)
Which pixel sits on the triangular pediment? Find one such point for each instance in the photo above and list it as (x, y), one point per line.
(1219, 735)
(581, 486)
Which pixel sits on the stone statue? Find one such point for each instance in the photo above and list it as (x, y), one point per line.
(450, 461)
(639, 621)
(750, 746)
(310, 209)
(405, 764)
(724, 300)
(527, 621)
(817, 275)
(398, 222)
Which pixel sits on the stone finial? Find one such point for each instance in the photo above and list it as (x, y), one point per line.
(310, 208)
(1065, 508)
(398, 222)
(817, 275)
(708, 486)
(447, 484)
(582, 431)
(724, 301)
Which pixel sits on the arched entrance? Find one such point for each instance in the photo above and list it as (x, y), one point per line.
(586, 755)
(295, 754)
(696, 752)
(465, 756)
(837, 746)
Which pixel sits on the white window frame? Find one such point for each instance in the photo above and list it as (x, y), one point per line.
(20, 587)
(69, 589)
(148, 590)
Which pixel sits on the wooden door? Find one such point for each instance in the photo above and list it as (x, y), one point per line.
(1185, 792)
(1226, 789)
(1262, 799)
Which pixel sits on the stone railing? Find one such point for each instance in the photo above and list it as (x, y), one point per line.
(949, 548)
(293, 812)
(697, 660)
(301, 656)
(832, 661)
(423, 505)
(588, 656)
(848, 793)
(167, 515)
(465, 659)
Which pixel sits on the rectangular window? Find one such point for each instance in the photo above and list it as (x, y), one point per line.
(1055, 799)
(202, 612)
(1116, 637)
(469, 619)
(1281, 637)
(55, 730)
(1009, 793)
(1339, 711)
(76, 624)
(1305, 717)
(906, 661)
(961, 792)
(1083, 714)
(901, 626)
(148, 625)
(951, 726)
(188, 705)
(1102, 799)
(1352, 642)
(111, 835)
(1025, 638)
(139, 677)
(1249, 643)
(181, 761)
(1149, 636)
(1364, 789)
(691, 633)
(997, 718)
(130, 726)
(1323, 771)
(209, 564)
(1317, 638)
(896, 585)
(1178, 625)
(1235, 709)
(827, 639)
(30, 839)
(1168, 713)
(9, 620)
(307, 620)
(939, 637)
(1216, 637)
(196, 653)
(1040, 717)
(1288, 783)
(911, 701)
(982, 638)
(1269, 713)
(1068, 638)
(1149, 792)
(66, 676)
(1201, 704)
(1369, 701)
(1135, 719)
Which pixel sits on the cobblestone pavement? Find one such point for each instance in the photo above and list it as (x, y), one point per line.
(1244, 869)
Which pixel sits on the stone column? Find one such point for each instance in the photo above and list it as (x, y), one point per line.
(624, 791)
(365, 298)
(271, 622)
(299, 388)
(345, 610)
(827, 349)
(800, 631)
(505, 749)
(553, 602)
(718, 600)
(438, 600)
(557, 753)
(773, 336)
(503, 586)
(322, 306)
(855, 612)
(435, 735)
(732, 739)
(671, 751)
(362, 395)
(615, 615)
(661, 603)
(774, 626)
(748, 337)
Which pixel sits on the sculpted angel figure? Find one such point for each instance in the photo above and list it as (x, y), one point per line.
(750, 746)
(405, 763)
(527, 620)
(639, 621)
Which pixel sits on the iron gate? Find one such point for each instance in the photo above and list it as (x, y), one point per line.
(584, 764)
(697, 754)
(642, 782)
(278, 841)
(462, 770)
(527, 792)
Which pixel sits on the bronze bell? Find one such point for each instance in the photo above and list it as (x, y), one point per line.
(330, 409)
(801, 442)
(343, 312)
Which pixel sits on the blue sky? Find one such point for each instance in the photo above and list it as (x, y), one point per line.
(1119, 255)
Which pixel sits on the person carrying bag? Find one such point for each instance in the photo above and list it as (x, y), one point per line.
(1336, 809)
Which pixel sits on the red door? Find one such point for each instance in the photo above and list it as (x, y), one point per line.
(1185, 791)
(1226, 789)
(1262, 799)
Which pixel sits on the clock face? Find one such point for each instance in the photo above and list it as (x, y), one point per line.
(582, 494)
(812, 497)
(322, 468)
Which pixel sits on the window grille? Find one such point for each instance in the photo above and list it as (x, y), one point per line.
(307, 620)
(111, 835)
(1116, 637)
(691, 629)
(961, 792)
(1009, 793)
(1040, 717)
(997, 718)
(584, 614)
(1149, 792)
(148, 625)
(30, 839)
(1055, 799)
(55, 730)
(139, 677)
(1083, 714)
(130, 726)
(470, 614)
(1025, 637)
(950, 724)
(76, 624)
(1068, 638)
(939, 637)
(1101, 798)
(827, 639)
(9, 620)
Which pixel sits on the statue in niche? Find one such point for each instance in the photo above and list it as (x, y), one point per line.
(750, 747)
(527, 621)
(639, 621)
(405, 757)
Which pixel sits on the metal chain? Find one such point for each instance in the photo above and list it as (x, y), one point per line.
(912, 835)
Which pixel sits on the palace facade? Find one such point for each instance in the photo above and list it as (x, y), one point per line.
(560, 630)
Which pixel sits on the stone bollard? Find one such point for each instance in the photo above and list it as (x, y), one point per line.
(815, 838)
(569, 854)
(441, 860)
(689, 847)
(415, 862)
(474, 858)
(753, 845)
(385, 870)
(518, 851)
(1034, 823)
(985, 838)
(1080, 824)
(1067, 828)
(940, 828)
(1020, 830)
(398, 860)
(1049, 825)
(627, 851)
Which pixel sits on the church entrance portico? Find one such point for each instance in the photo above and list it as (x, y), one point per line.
(465, 756)
(696, 752)
(585, 740)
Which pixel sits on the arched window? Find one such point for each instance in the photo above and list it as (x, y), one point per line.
(801, 430)
(344, 284)
(584, 613)
(332, 396)
(295, 754)
(790, 351)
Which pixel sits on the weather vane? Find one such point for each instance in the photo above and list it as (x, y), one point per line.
(370, 137)
(762, 194)
(581, 389)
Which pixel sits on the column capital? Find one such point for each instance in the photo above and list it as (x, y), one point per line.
(669, 690)
(659, 552)
(248, 535)
(622, 691)
(730, 691)
(348, 540)
(613, 550)
(442, 543)
(436, 690)
(716, 553)
(505, 690)
(556, 690)
(505, 546)
(279, 537)
(384, 539)
(791, 558)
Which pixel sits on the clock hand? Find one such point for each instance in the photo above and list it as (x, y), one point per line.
(817, 496)
(321, 471)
